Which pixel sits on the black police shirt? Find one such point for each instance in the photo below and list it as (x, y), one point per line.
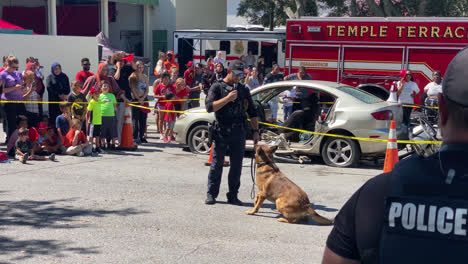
(232, 112)
(359, 223)
(371, 227)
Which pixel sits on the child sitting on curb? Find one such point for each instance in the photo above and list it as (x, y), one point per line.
(24, 148)
(63, 121)
(75, 141)
(22, 122)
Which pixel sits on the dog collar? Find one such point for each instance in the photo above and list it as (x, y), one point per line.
(273, 166)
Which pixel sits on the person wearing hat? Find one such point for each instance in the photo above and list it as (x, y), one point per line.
(170, 61)
(232, 104)
(418, 212)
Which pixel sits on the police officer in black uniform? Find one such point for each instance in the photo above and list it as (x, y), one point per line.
(232, 104)
(418, 213)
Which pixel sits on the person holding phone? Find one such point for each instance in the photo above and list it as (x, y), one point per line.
(407, 91)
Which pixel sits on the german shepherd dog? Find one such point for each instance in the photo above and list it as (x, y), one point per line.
(291, 201)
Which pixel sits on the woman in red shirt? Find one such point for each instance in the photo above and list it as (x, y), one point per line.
(181, 94)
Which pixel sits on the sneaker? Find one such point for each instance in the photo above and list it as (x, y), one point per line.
(166, 140)
(112, 146)
(235, 201)
(25, 158)
(143, 140)
(161, 136)
(137, 141)
(81, 154)
(100, 151)
(52, 157)
(210, 199)
(172, 138)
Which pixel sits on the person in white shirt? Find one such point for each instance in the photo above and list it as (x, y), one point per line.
(251, 80)
(287, 99)
(433, 89)
(407, 91)
(219, 58)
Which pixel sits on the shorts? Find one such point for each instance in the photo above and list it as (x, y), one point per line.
(170, 124)
(94, 130)
(161, 107)
(109, 127)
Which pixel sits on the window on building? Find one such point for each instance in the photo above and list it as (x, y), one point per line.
(225, 45)
(209, 53)
(253, 47)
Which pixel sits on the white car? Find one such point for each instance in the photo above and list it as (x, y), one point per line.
(350, 112)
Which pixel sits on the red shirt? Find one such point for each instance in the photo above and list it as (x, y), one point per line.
(82, 76)
(161, 90)
(170, 116)
(188, 76)
(33, 134)
(180, 95)
(2, 69)
(68, 139)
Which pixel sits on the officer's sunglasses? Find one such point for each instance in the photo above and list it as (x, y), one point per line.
(239, 74)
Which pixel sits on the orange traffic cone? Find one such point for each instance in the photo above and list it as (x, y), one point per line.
(210, 159)
(127, 132)
(391, 157)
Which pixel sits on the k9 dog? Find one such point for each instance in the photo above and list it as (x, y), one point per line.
(291, 201)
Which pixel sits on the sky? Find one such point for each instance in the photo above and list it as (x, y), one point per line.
(232, 19)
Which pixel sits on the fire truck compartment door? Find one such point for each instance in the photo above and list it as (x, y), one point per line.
(372, 60)
(320, 61)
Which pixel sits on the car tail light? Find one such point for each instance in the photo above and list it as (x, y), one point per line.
(383, 115)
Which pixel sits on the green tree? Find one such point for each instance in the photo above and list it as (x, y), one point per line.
(271, 13)
(388, 8)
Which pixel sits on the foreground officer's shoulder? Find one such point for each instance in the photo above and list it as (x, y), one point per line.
(413, 162)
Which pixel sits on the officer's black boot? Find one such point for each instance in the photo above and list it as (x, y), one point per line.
(231, 199)
(210, 199)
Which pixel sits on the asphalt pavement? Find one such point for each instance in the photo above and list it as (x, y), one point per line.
(147, 207)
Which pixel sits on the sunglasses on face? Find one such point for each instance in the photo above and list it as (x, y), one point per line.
(87, 64)
(239, 74)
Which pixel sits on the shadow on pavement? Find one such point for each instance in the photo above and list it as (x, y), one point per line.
(50, 214)
(31, 248)
(47, 214)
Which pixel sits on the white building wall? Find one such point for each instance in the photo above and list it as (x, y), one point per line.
(201, 14)
(164, 17)
(128, 17)
(68, 51)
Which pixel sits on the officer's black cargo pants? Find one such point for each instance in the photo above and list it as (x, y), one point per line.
(234, 138)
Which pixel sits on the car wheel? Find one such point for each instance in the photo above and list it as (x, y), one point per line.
(198, 140)
(340, 152)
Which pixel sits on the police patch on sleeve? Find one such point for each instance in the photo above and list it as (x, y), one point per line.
(442, 219)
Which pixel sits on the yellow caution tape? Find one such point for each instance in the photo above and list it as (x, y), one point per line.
(59, 102)
(263, 123)
(349, 137)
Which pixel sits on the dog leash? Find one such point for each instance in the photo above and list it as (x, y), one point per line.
(253, 171)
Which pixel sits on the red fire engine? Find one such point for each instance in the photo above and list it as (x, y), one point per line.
(373, 50)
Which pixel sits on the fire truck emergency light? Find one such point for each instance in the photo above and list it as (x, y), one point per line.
(295, 29)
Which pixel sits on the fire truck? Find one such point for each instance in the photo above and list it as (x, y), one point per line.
(358, 51)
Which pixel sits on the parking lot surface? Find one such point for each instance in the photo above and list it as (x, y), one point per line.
(147, 207)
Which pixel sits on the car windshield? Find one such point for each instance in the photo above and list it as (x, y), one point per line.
(360, 95)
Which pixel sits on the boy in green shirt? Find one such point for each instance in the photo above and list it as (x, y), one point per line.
(95, 120)
(108, 106)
